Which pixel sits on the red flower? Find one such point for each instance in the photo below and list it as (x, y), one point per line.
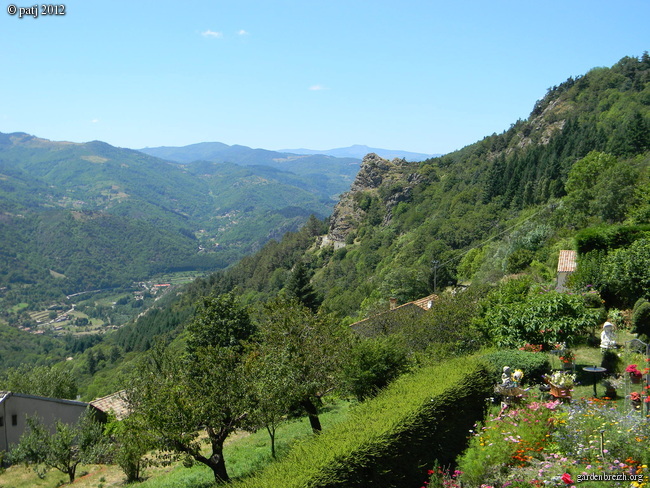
(566, 477)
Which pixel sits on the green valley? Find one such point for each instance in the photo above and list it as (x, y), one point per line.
(82, 219)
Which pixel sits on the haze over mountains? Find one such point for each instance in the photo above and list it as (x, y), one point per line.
(295, 159)
(359, 151)
(218, 152)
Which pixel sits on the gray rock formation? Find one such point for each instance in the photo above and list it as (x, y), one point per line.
(373, 173)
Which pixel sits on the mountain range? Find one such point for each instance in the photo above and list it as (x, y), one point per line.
(300, 164)
(72, 214)
(295, 160)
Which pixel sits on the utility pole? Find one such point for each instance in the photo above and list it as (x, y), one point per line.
(435, 275)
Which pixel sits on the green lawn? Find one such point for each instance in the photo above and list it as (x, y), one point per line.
(249, 453)
(592, 356)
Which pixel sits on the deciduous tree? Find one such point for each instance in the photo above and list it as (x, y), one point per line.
(65, 448)
(205, 388)
(310, 347)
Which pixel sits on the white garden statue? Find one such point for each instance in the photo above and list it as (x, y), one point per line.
(607, 336)
(507, 380)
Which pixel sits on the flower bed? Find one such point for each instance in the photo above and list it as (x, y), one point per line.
(553, 444)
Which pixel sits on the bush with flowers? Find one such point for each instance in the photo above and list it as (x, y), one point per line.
(512, 438)
(551, 444)
(568, 357)
(633, 370)
(563, 379)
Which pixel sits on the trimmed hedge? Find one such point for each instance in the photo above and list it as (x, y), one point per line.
(641, 319)
(391, 440)
(533, 364)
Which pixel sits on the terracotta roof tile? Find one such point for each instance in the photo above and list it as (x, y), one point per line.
(567, 262)
(115, 403)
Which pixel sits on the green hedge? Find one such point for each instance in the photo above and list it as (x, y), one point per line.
(390, 441)
(533, 364)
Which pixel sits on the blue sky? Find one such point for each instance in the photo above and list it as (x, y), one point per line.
(425, 76)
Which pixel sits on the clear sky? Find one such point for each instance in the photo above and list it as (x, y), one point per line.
(425, 76)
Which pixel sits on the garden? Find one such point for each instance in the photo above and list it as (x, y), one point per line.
(537, 439)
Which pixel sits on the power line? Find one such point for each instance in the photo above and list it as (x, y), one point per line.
(462, 253)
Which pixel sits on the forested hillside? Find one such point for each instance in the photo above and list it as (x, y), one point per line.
(504, 205)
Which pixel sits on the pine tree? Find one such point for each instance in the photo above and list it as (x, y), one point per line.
(300, 288)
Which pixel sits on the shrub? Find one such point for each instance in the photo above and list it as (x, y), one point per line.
(372, 364)
(626, 272)
(519, 260)
(641, 319)
(448, 325)
(533, 364)
(609, 237)
(621, 275)
(544, 318)
(611, 362)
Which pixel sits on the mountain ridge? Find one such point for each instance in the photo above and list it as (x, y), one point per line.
(237, 153)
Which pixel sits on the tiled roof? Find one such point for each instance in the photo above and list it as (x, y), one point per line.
(567, 262)
(424, 303)
(115, 403)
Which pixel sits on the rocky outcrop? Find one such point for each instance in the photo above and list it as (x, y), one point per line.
(373, 173)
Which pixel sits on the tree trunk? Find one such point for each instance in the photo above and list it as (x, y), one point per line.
(218, 466)
(271, 431)
(216, 462)
(312, 411)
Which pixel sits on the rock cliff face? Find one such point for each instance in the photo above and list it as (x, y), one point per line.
(373, 173)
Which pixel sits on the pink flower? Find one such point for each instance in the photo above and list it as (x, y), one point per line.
(566, 477)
